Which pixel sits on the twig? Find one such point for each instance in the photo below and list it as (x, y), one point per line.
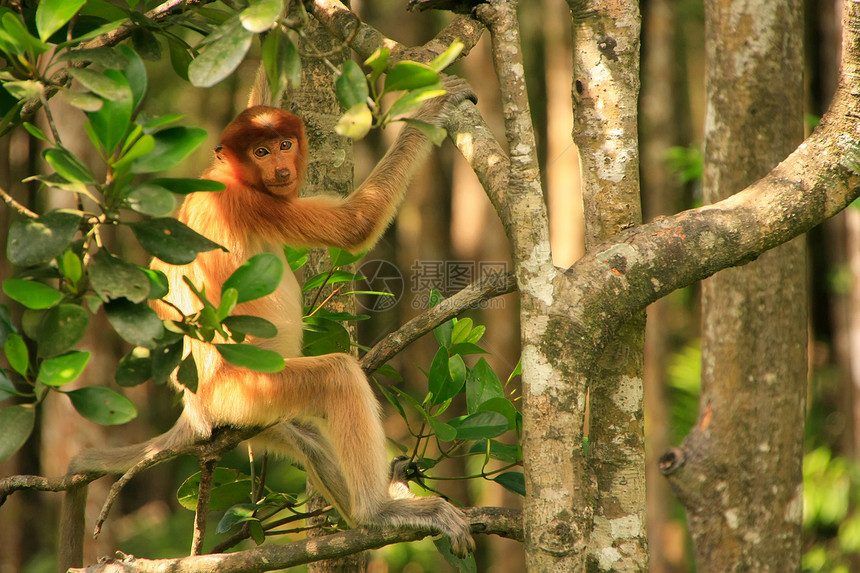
(9, 200)
(482, 289)
(204, 492)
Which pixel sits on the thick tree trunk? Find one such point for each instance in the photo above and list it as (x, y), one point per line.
(742, 482)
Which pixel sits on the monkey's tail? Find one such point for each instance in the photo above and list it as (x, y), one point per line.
(120, 459)
(107, 461)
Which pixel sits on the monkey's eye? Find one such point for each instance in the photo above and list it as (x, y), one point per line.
(286, 145)
(261, 152)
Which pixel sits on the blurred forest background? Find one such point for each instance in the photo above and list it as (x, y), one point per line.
(444, 230)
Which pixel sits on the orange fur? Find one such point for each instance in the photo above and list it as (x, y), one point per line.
(321, 410)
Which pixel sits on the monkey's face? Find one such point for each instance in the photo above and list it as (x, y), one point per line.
(278, 163)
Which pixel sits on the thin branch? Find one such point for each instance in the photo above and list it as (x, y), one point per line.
(111, 38)
(488, 520)
(207, 475)
(9, 200)
(481, 290)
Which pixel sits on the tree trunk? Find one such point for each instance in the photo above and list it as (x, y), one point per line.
(741, 482)
(330, 171)
(606, 90)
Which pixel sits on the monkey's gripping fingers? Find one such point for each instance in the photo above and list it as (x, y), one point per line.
(455, 526)
(437, 110)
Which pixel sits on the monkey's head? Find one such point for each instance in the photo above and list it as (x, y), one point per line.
(268, 149)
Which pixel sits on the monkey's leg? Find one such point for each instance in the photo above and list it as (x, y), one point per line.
(305, 443)
(334, 388)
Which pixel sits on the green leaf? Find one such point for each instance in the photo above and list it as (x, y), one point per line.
(134, 72)
(140, 148)
(159, 122)
(250, 325)
(324, 336)
(281, 62)
(71, 266)
(408, 75)
(137, 324)
(7, 388)
(227, 490)
(392, 399)
(483, 425)
(443, 431)
(172, 145)
(25, 89)
(482, 384)
(296, 258)
(330, 279)
(236, 515)
(180, 56)
(32, 294)
(440, 382)
(114, 278)
(436, 135)
(340, 258)
(257, 277)
(110, 123)
(466, 348)
(151, 200)
(51, 15)
(16, 425)
(229, 297)
(447, 57)
(356, 122)
(33, 130)
(502, 406)
(34, 241)
(508, 453)
(104, 56)
(158, 284)
(412, 100)
(107, 84)
(134, 368)
(62, 369)
(16, 353)
(230, 43)
(513, 481)
(186, 186)
(171, 241)
(146, 44)
(261, 15)
(102, 405)
(187, 373)
(14, 31)
(84, 101)
(461, 564)
(457, 369)
(251, 357)
(166, 359)
(68, 166)
(61, 328)
(377, 61)
(351, 86)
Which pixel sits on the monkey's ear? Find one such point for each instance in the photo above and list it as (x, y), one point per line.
(218, 149)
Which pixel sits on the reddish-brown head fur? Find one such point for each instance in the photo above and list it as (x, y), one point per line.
(265, 126)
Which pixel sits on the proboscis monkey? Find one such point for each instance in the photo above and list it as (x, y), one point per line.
(321, 410)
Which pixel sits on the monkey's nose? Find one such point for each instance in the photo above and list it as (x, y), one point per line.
(283, 173)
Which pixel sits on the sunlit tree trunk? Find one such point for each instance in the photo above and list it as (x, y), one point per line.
(754, 325)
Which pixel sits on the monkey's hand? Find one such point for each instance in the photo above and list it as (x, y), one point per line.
(437, 110)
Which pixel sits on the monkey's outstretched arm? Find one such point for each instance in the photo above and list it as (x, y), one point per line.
(356, 222)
